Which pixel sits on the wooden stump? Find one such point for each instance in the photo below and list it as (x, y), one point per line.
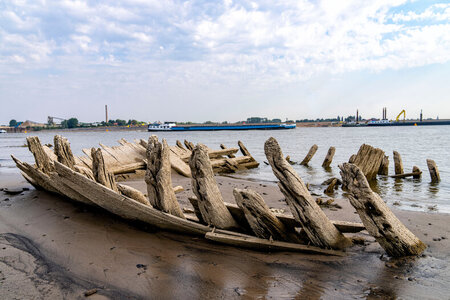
(204, 185)
(329, 158)
(319, 229)
(398, 164)
(369, 159)
(378, 219)
(231, 155)
(100, 172)
(310, 155)
(434, 172)
(133, 194)
(417, 172)
(63, 151)
(158, 178)
(41, 158)
(384, 167)
(330, 188)
(261, 220)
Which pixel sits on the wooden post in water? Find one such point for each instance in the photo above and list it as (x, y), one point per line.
(434, 172)
(329, 158)
(369, 159)
(319, 229)
(384, 167)
(204, 185)
(378, 219)
(398, 164)
(310, 155)
(417, 172)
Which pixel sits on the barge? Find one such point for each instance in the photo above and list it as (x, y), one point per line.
(171, 126)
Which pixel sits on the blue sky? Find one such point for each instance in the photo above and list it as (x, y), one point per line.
(212, 60)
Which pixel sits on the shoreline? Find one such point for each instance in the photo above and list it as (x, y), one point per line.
(84, 248)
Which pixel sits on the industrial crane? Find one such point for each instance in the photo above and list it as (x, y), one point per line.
(50, 120)
(404, 115)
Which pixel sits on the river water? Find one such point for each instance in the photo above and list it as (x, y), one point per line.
(415, 144)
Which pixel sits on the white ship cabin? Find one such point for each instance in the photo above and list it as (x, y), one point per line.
(159, 126)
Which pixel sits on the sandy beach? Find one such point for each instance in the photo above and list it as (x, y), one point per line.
(53, 248)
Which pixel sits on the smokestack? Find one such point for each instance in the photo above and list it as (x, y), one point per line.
(421, 116)
(357, 116)
(106, 113)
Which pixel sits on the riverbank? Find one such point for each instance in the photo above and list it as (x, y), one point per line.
(53, 248)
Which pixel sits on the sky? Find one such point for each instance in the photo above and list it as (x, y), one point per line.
(155, 60)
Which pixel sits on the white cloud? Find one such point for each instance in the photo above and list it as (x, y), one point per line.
(254, 45)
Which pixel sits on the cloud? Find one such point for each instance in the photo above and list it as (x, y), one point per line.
(199, 45)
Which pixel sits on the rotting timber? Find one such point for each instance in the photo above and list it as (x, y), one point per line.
(250, 224)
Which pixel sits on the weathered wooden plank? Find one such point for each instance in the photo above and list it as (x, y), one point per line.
(434, 171)
(398, 164)
(42, 160)
(320, 231)
(329, 157)
(369, 159)
(378, 219)
(251, 242)
(204, 186)
(159, 179)
(262, 221)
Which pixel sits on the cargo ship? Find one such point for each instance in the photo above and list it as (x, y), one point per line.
(171, 126)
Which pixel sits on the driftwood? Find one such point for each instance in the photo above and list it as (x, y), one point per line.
(378, 219)
(288, 220)
(100, 171)
(330, 188)
(158, 178)
(417, 171)
(204, 186)
(369, 159)
(398, 164)
(415, 174)
(262, 221)
(230, 155)
(63, 151)
(288, 159)
(330, 180)
(180, 145)
(126, 207)
(310, 155)
(320, 231)
(189, 145)
(329, 157)
(133, 193)
(434, 171)
(41, 158)
(251, 242)
(352, 158)
(384, 167)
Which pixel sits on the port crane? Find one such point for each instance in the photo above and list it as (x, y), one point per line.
(50, 120)
(404, 115)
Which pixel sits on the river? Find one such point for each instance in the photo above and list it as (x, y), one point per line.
(415, 144)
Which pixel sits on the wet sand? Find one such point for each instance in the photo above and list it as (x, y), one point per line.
(53, 248)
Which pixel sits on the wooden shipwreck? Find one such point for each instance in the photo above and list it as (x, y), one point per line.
(90, 179)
